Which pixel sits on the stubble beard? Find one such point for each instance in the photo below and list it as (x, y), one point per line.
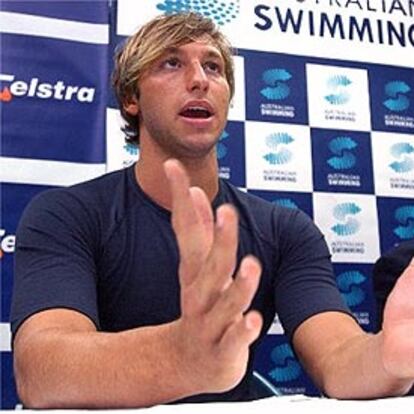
(181, 148)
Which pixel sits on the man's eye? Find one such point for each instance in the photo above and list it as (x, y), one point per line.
(171, 63)
(213, 67)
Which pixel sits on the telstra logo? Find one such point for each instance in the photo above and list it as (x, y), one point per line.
(277, 89)
(349, 286)
(221, 12)
(337, 85)
(397, 100)
(405, 216)
(34, 88)
(7, 242)
(344, 159)
(405, 163)
(280, 154)
(348, 225)
(287, 367)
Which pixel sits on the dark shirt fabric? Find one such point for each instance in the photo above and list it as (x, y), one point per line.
(105, 249)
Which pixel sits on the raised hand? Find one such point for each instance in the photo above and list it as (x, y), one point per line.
(213, 335)
(398, 327)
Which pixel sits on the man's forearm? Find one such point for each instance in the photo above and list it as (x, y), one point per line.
(357, 370)
(135, 368)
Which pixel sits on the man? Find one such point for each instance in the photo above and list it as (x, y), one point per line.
(114, 306)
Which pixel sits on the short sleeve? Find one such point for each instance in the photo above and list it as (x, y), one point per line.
(54, 258)
(305, 283)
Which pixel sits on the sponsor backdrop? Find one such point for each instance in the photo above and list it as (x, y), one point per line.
(322, 120)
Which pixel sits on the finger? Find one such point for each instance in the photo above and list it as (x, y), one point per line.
(205, 215)
(221, 262)
(237, 298)
(188, 214)
(183, 212)
(241, 334)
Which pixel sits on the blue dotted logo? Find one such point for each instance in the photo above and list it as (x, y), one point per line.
(285, 202)
(221, 12)
(405, 163)
(280, 154)
(276, 87)
(405, 216)
(337, 85)
(349, 284)
(343, 159)
(131, 149)
(396, 92)
(221, 147)
(287, 367)
(348, 224)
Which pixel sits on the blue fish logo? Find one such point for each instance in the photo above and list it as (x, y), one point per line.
(222, 13)
(344, 159)
(400, 151)
(221, 147)
(349, 286)
(131, 149)
(287, 367)
(397, 100)
(285, 202)
(277, 89)
(344, 212)
(405, 216)
(337, 85)
(280, 154)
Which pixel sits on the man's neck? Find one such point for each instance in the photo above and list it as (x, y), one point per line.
(149, 173)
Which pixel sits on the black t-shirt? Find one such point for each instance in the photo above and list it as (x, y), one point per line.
(105, 249)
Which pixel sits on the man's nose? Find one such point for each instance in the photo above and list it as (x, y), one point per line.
(197, 77)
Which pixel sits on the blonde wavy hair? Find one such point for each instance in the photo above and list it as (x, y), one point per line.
(149, 43)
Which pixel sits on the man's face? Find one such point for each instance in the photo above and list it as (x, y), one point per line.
(183, 100)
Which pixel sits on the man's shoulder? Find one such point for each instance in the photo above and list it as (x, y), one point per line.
(258, 206)
(88, 200)
(268, 219)
(92, 190)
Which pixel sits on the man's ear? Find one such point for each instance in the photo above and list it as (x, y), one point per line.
(131, 106)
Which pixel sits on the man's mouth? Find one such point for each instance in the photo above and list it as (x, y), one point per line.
(196, 113)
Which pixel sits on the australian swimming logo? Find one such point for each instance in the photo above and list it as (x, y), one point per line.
(404, 163)
(349, 284)
(337, 86)
(344, 158)
(277, 143)
(131, 149)
(287, 367)
(276, 80)
(405, 216)
(221, 147)
(36, 88)
(396, 92)
(348, 224)
(221, 12)
(285, 202)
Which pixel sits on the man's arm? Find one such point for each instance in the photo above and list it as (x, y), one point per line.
(62, 361)
(348, 363)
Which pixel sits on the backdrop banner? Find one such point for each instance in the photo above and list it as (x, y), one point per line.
(322, 120)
